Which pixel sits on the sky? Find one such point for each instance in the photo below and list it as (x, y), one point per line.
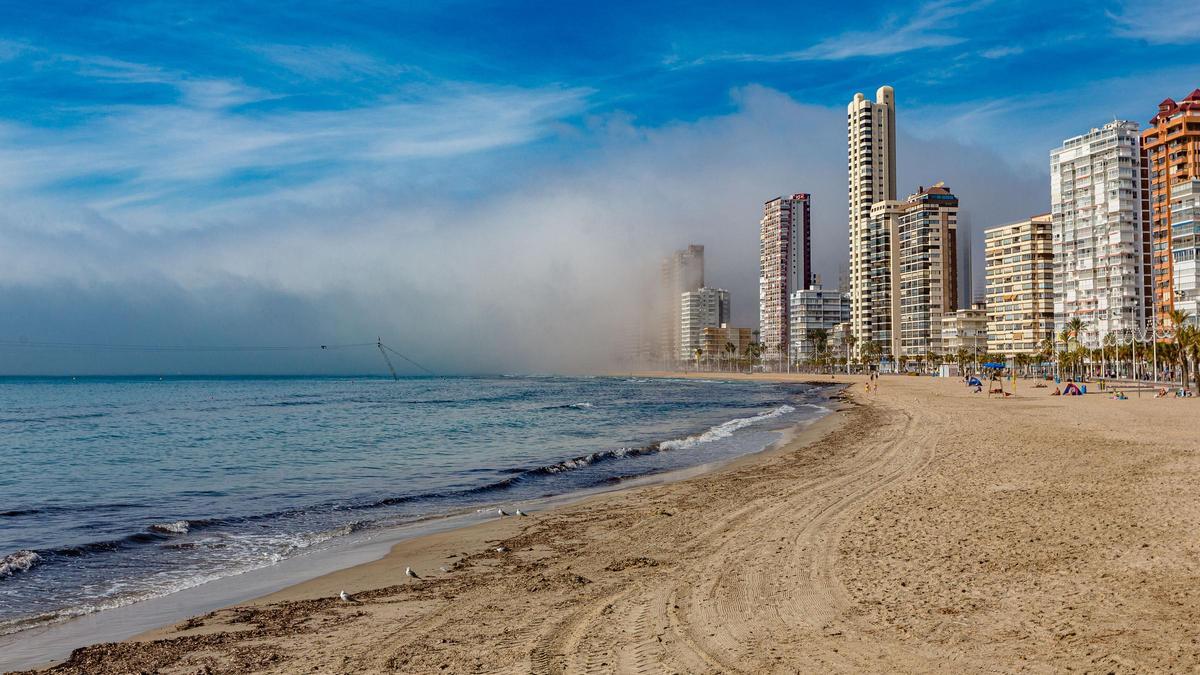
(487, 186)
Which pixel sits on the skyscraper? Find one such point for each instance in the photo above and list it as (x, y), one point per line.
(871, 164)
(1101, 232)
(1172, 145)
(682, 271)
(1019, 259)
(928, 282)
(700, 309)
(910, 261)
(785, 266)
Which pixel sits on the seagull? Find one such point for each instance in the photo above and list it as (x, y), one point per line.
(408, 571)
(500, 549)
(346, 597)
(521, 513)
(501, 512)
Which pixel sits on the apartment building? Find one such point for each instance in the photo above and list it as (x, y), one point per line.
(871, 175)
(813, 309)
(1172, 162)
(964, 329)
(682, 271)
(700, 309)
(785, 265)
(1101, 235)
(1185, 241)
(1019, 262)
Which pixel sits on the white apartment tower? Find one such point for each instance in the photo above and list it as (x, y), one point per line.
(871, 158)
(814, 309)
(700, 309)
(1100, 227)
(785, 266)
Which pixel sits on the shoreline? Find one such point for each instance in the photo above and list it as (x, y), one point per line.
(929, 530)
(155, 617)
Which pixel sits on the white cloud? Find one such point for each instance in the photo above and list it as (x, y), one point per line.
(1158, 21)
(929, 26)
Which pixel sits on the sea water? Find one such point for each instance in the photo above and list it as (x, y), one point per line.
(115, 490)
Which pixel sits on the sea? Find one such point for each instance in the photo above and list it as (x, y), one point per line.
(115, 490)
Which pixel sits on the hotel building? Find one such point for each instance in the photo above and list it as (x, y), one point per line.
(1172, 146)
(1019, 263)
(871, 169)
(812, 309)
(683, 271)
(785, 265)
(700, 309)
(1101, 234)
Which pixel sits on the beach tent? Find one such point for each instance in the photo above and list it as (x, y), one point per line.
(1071, 390)
(974, 382)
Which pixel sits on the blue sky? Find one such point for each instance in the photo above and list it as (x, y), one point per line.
(268, 152)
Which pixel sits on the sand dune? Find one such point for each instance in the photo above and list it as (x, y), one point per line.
(924, 528)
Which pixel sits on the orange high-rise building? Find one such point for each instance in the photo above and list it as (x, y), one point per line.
(1172, 147)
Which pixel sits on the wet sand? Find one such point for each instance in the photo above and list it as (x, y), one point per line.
(924, 528)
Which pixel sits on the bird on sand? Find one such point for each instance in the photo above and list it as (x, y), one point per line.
(521, 513)
(346, 597)
(408, 572)
(500, 549)
(501, 512)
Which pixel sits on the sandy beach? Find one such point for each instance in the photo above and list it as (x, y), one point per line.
(922, 528)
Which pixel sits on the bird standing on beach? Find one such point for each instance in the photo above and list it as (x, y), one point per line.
(501, 512)
(346, 597)
(521, 513)
(408, 572)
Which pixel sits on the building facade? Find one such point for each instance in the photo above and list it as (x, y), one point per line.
(1101, 236)
(785, 266)
(1185, 244)
(964, 329)
(814, 309)
(681, 272)
(871, 174)
(928, 284)
(716, 342)
(700, 309)
(1019, 263)
(1172, 154)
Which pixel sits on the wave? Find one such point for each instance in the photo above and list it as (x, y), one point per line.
(177, 527)
(726, 429)
(21, 561)
(570, 406)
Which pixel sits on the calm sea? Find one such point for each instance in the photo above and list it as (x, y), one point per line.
(119, 489)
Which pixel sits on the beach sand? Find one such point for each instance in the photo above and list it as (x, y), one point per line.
(923, 528)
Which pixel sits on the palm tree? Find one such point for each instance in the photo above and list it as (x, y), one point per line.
(819, 337)
(730, 349)
(851, 340)
(699, 352)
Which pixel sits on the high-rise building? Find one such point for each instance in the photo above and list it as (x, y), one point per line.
(682, 271)
(700, 309)
(785, 265)
(814, 309)
(1101, 232)
(928, 282)
(871, 169)
(1185, 244)
(878, 296)
(964, 329)
(1019, 263)
(1172, 146)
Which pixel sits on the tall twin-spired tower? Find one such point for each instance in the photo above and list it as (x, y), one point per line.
(871, 153)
